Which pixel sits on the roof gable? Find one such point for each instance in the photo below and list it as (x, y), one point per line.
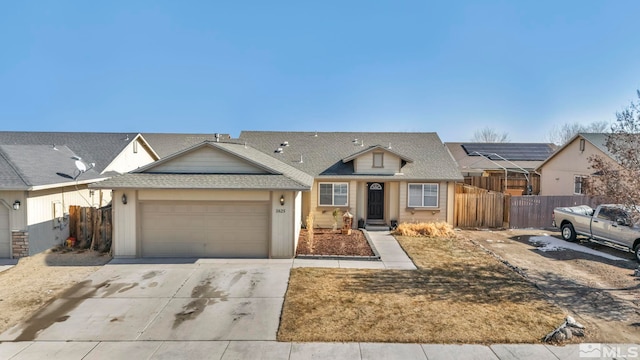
(598, 140)
(205, 159)
(214, 165)
(374, 148)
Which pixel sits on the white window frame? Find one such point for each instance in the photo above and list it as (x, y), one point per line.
(373, 165)
(410, 205)
(575, 182)
(333, 193)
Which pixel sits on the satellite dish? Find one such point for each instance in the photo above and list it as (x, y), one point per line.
(81, 166)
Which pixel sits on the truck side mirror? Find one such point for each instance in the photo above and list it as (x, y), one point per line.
(622, 221)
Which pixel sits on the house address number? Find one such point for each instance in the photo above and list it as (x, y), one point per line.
(280, 211)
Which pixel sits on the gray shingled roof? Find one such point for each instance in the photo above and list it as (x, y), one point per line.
(23, 167)
(200, 181)
(322, 152)
(280, 175)
(168, 144)
(98, 148)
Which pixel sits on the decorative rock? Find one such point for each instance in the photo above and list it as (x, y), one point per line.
(569, 328)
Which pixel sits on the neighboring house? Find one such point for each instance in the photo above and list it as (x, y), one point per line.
(214, 199)
(563, 172)
(380, 178)
(487, 165)
(39, 181)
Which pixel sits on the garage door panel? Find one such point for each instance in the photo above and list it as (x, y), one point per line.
(208, 229)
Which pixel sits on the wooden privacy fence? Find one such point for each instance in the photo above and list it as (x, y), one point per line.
(537, 211)
(496, 183)
(91, 227)
(481, 209)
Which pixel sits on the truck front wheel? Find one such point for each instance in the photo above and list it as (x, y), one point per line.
(568, 232)
(637, 252)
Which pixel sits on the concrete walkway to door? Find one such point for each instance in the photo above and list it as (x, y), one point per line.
(392, 256)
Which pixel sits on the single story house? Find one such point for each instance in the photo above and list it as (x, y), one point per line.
(503, 167)
(43, 173)
(563, 172)
(248, 197)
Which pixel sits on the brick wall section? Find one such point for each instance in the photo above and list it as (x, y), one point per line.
(19, 244)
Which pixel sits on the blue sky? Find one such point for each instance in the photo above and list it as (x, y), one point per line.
(451, 67)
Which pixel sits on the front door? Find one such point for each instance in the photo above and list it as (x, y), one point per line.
(375, 208)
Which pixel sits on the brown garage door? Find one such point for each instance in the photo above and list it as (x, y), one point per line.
(5, 234)
(204, 229)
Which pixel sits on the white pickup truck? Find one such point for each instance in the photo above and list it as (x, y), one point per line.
(609, 225)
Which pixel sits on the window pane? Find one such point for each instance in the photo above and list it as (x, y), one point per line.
(340, 194)
(415, 195)
(577, 186)
(377, 160)
(326, 194)
(430, 195)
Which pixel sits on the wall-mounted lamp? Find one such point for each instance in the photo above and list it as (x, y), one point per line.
(16, 205)
(124, 198)
(281, 199)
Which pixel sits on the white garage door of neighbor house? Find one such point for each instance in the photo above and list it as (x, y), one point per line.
(204, 229)
(5, 234)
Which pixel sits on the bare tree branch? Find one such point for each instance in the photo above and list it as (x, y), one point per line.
(490, 135)
(618, 180)
(559, 135)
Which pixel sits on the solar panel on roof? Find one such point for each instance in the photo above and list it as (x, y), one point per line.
(509, 151)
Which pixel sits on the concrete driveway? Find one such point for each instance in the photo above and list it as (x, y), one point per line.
(202, 300)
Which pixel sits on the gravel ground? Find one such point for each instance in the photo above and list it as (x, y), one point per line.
(599, 292)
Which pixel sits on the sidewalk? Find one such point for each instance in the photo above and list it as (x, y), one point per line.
(227, 350)
(6, 264)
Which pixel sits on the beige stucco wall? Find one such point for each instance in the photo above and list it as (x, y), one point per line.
(129, 160)
(124, 242)
(430, 214)
(284, 228)
(558, 173)
(283, 225)
(17, 218)
(395, 204)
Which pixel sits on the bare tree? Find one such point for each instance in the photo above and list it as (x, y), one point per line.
(490, 135)
(618, 181)
(559, 135)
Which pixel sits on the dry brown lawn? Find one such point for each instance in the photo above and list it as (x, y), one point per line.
(459, 294)
(37, 280)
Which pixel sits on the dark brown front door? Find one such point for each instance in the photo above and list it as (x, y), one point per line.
(375, 208)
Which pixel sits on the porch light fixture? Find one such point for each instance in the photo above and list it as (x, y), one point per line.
(16, 205)
(282, 200)
(124, 199)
